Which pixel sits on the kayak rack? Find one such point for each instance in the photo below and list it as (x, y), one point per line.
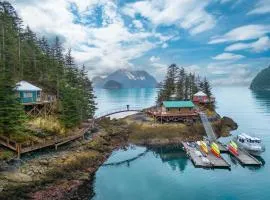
(200, 160)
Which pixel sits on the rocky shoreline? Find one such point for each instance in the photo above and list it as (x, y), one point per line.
(61, 175)
(67, 173)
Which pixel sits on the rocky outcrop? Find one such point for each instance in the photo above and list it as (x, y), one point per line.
(62, 175)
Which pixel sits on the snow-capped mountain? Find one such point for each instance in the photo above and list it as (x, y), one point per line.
(127, 79)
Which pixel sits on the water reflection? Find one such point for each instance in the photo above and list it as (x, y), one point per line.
(262, 99)
(174, 156)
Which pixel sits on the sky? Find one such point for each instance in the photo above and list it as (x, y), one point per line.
(225, 40)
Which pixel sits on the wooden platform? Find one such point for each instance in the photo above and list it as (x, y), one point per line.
(21, 148)
(246, 159)
(222, 147)
(198, 160)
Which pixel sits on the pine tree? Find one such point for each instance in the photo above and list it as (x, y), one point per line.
(180, 83)
(12, 116)
(169, 85)
(207, 88)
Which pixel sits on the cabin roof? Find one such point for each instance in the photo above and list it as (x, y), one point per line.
(178, 104)
(25, 86)
(200, 94)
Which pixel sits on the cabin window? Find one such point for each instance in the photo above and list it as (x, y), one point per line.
(27, 94)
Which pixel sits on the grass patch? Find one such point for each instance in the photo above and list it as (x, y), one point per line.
(50, 125)
(6, 154)
(163, 131)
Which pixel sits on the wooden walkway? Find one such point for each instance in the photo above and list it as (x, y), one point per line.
(199, 161)
(246, 159)
(21, 148)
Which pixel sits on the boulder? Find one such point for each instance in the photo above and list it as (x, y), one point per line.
(226, 121)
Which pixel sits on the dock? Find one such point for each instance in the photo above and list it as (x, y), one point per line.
(198, 161)
(246, 159)
(222, 147)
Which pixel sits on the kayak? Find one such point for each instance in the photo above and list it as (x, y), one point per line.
(203, 147)
(215, 149)
(233, 148)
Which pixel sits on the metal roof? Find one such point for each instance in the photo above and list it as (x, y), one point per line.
(25, 86)
(178, 104)
(200, 94)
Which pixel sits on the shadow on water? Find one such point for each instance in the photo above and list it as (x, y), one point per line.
(174, 156)
(127, 162)
(263, 98)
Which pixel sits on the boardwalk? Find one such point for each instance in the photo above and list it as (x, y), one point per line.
(21, 148)
(99, 116)
(207, 126)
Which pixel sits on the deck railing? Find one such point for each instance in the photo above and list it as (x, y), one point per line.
(31, 146)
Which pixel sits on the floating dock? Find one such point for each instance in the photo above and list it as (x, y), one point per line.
(246, 159)
(199, 161)
(222, 147)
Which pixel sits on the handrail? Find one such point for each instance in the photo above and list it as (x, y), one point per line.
(117, 110)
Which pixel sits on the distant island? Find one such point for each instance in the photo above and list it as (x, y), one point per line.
(262, 80)
(125, 79)
(111, 84)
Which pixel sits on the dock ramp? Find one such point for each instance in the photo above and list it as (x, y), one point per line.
(207, 127)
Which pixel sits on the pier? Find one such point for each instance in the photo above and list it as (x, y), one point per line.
(245, 159)
(200, 161)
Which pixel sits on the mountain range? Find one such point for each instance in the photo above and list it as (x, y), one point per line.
(125, 79)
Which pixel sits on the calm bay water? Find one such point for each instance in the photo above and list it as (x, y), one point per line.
(168, 174)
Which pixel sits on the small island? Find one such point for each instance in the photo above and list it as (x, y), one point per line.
(261, 81)
(111, 84)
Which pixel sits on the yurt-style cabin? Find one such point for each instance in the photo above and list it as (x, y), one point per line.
(28, 93)
(201, 97)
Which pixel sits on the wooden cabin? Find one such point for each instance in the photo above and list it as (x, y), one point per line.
(177, 106)
(175, 111)
(28, 93)
(36, 102)
(201, 98)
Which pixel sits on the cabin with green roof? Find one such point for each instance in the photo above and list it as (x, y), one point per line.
(175, 111)
(177, 106)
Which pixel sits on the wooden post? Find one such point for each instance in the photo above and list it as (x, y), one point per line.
(18, 148)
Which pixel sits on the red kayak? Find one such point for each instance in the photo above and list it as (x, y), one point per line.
(215, 153)
(233, 150)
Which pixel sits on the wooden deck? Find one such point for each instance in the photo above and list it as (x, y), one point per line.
(159, 116)
(198, 160)
(246, 159)
(21, 148)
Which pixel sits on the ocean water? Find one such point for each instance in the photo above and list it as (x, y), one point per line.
(167, 174)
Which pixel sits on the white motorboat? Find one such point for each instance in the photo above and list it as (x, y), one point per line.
(252, 145)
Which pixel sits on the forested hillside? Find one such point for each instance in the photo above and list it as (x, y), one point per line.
(262, 80)
(25, 56)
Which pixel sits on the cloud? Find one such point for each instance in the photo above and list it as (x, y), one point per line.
(187, 14)
(104, 45)
(154, 59)
(164, 45)
(138, 24)
(225, 1)
(228, 56)
(242, 33)
(262, 7)
(262, 44)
